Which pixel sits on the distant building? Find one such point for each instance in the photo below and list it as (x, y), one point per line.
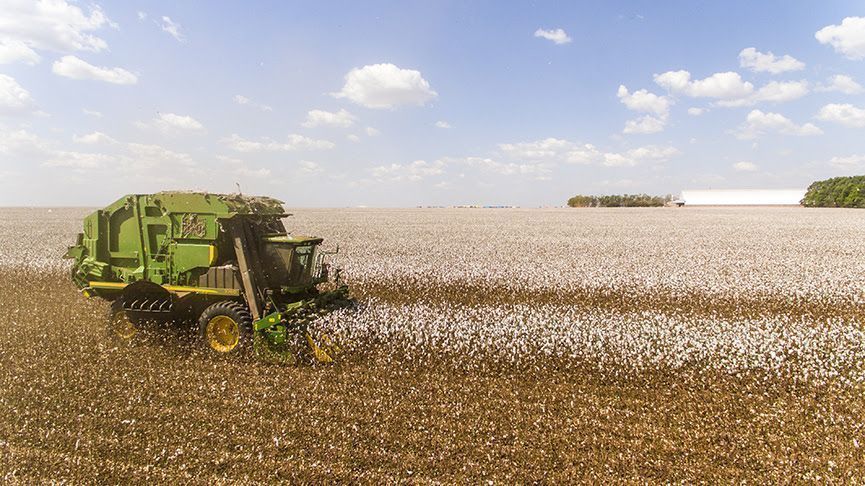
(743, 197)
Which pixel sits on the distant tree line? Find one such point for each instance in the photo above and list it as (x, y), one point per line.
(837, 192)
(619, 201)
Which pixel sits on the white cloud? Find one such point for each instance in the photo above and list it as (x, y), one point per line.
(229, 160)
(12, 51)
(183, 122)
(243, 100)
(548, 148)
(644, 101)
(782, 91)
(694, 111)
(653, 152)
(617, 160)
(621, 183)
(264, 144)
(751, 58)
(415, 171)
(145, 156)
(539, 170)
(552, 150)
(442, 124)
(259, 173)
(644, 125)
(558, 36)
(372, 132)
(134, 158)
(537, 159)
(773, 91)
(353, 138)
(340, 119)
(675, 81)
(77, 160)
(849, 162)
(173, 28)
(389, 172)
(744, 166)
(385, 86)
(841, 83)
(759, 123)
(14, 99)
(638, 155)
(240, 168)
(93, 113)
(848, 38)
(308, 167)
(75, 68)
(23, 144)
(583, 154)
(845, 114)
(141, 15)
(93, 138)
(724, 85)
(169, 123)
(53, 25)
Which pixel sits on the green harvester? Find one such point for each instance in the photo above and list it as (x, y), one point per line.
(223, 261)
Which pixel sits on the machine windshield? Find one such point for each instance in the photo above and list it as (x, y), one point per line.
(287, 264)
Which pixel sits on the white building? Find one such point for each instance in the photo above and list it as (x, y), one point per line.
(743, 197)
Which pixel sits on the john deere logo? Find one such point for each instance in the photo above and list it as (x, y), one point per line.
(190, 225)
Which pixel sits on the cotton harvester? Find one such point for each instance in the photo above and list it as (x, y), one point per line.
(224, 262)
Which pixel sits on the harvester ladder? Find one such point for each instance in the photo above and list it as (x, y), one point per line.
(247, 273)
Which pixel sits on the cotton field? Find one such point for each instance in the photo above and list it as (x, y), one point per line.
(732, 290)
(506, 345)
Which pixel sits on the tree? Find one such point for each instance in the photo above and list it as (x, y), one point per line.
(615, 201)
(837, 192)
(581, 201)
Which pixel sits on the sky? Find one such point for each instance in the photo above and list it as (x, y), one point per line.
(400, 104)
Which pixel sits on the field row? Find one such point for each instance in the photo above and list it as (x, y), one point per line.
(784, 253)
(613, 343)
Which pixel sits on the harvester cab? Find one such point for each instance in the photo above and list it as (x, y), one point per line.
(223, 261)
(292, 263)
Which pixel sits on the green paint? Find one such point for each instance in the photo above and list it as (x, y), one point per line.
(185, 242)
(167, 238)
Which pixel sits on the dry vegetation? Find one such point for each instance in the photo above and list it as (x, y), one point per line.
(504, 345)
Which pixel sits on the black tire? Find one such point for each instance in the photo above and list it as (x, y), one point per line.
(225, 329)
(122, 328)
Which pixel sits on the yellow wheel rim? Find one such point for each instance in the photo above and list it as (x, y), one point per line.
(122, 327)
(223, 334)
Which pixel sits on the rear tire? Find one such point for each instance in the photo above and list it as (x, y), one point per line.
(225, 329)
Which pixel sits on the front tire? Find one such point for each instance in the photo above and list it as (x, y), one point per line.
(226, 329)
(122, 329)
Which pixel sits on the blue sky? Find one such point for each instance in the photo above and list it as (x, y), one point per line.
(425, 103)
